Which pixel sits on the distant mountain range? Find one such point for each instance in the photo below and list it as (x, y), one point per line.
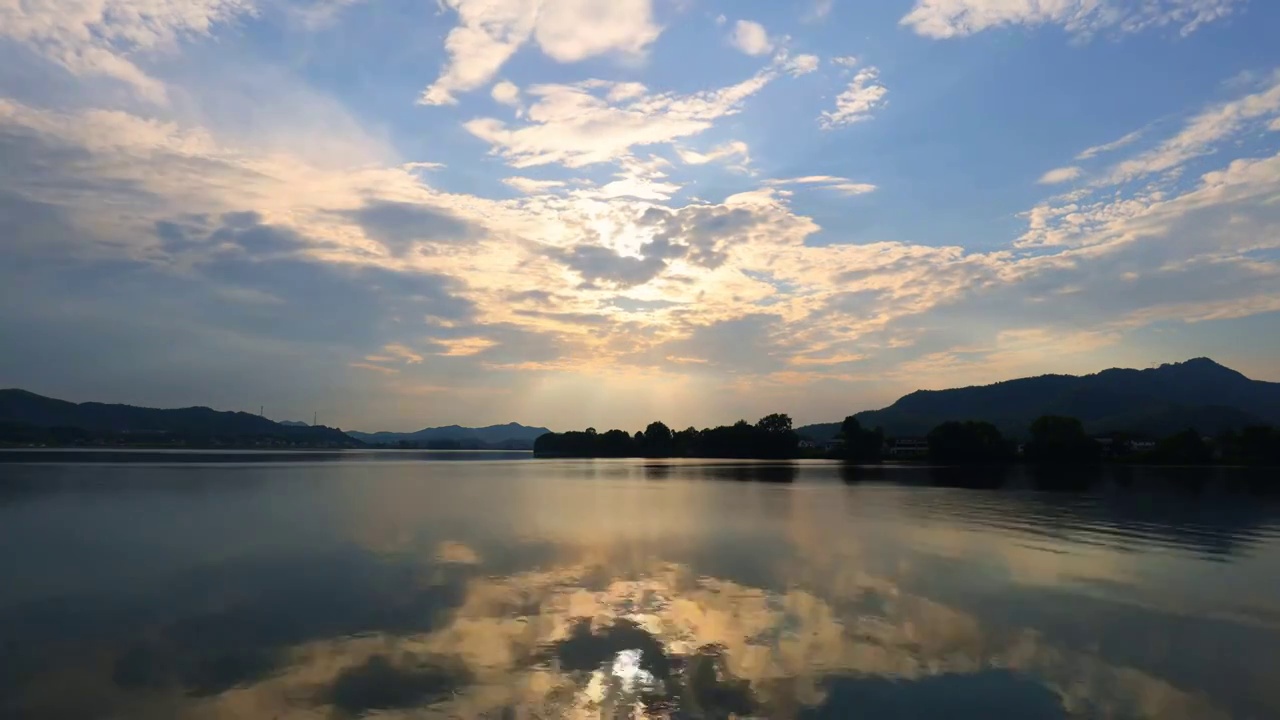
(26, 414)
(512, 436)
(1158, 402)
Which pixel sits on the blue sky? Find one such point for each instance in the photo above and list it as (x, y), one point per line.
(576, 212)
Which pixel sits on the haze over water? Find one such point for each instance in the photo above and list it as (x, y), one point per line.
(415, 585)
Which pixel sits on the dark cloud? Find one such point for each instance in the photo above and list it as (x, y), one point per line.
(399, 225)
(255, 238)
(597, 264)
(576, 318)
(700, 234)
(633, 305)
(705, 232)
(536, 297)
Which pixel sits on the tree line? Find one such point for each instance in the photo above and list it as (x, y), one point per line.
(770, 438)
(1060, 440)
(1050, 440)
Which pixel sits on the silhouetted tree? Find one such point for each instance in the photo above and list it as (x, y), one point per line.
(1256, 445)
(658, 440)
(967, 443)
(775, 423)
(860, 445)
(686, 443)
(617, 443)
(1184, 448)
(1061, 440)
(775, 438)
(772, 437)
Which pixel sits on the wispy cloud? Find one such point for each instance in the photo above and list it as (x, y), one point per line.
(98, 38)
(599, 121)
(1103, 149)
(830, 182)
(1060, 175)
(856, 103)
(953, 18)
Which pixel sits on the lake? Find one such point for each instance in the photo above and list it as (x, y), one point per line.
(418, 585)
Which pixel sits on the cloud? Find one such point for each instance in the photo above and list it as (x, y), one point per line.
(847, 61)
(1112, 146)
(732, 149)
(402, 353)
(751, 38)
(98, 38)
(864, 95)
(506, 93)
(596, 264)
(489, 32)
(957, 18)
(801, 65)
(530, 186)
(398, 226)
(598, 121)
(1060, 175)
(423, 166)
(830, 182)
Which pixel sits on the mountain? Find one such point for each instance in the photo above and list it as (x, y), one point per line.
(25, 412)
(1197, 393)
(294, 423)
(819, 431)
(512, 436)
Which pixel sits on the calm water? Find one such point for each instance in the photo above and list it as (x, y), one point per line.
(420, 585)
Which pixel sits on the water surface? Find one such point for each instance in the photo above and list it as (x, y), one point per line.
(417, 585)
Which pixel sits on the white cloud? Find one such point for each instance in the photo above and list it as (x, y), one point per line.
(97, 37)
(845, 61)
(1112, 146)
(411, 166)
(578, 125)
(489, 32)
(856, 103)
(1060, 175)
(842, 185)
(732, 149)
(751, 38)
(801, 65)
(530, 186)
(956, 18)
(505, 92)
(1275, 125)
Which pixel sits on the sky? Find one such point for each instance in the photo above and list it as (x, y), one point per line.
(577, 213)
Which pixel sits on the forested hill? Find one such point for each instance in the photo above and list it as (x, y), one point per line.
(26, 416)
(1160, 401)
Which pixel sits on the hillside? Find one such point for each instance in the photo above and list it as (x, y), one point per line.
(1197, 393)
(512, 436)
(26, 413)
